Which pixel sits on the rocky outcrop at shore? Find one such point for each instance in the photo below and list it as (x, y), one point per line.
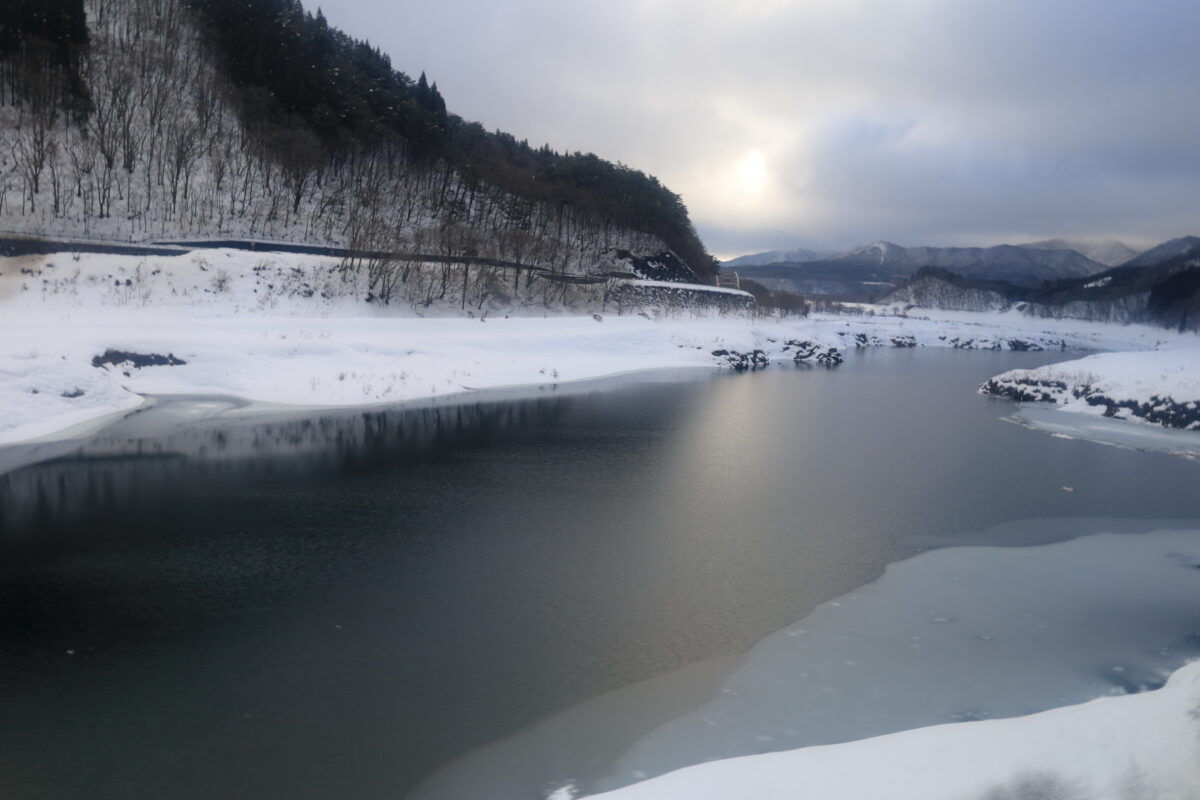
(1156, 387)
(800, 351)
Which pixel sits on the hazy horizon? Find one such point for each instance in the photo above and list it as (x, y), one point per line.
(1095, 240)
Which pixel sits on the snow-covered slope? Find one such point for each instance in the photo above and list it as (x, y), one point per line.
(934, 291)
(1000, 262)
(1166, 294)
(166, 155)
(1110, 252)
(880, 252)
(1165, 251)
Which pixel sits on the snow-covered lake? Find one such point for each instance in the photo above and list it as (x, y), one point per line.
(340, 605)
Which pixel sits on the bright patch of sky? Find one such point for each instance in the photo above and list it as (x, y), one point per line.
(823, 123)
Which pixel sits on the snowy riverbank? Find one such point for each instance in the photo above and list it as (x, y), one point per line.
(1135, 746)
(1161, 387)
(292, 329)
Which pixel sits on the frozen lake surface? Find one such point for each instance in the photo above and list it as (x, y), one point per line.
(340, 605)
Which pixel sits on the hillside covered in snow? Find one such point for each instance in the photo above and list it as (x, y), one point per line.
(873, 268)
(1165, 292)
(140, 120)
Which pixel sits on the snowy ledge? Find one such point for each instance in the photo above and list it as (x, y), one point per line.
(1160, 387)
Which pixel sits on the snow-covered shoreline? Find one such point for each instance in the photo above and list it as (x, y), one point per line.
(1160, 387)
(290, 329)
(1140, 746)
(87, 341)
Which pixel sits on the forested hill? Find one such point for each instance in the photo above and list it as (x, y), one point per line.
(136, 119)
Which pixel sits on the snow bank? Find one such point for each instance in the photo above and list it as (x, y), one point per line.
(294, 329)
(1161, 387)
(1117, 748)
(42, 395)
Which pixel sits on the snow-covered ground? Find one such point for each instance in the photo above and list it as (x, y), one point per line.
(1138, 747)
(1162, 387)
(293, 329)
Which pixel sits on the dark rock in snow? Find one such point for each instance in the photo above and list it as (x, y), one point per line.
(137, 360)
(814, 351)
(742, 362)
(1165, 411)
(1025, 390)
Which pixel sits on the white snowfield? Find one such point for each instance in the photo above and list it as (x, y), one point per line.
(1135, 747)
(293, 329)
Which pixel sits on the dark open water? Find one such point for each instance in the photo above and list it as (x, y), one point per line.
(333, 607)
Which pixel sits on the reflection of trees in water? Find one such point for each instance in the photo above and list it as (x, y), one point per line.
(113, 474)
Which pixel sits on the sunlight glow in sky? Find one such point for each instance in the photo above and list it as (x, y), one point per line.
(833, 122)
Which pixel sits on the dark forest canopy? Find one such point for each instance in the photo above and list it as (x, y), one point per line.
(44, 39)
(347, 93)
(61, 23)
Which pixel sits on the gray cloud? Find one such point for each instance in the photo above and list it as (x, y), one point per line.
(831, 122)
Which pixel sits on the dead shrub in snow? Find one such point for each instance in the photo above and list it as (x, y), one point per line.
(1035, 786)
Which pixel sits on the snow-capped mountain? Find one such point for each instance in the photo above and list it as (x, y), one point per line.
(1110, 252)
(863, 270)
(881, 253)
(795, 256)
(1164, 251)
(1002, 262)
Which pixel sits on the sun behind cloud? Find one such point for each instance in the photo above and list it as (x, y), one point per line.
(751, 175)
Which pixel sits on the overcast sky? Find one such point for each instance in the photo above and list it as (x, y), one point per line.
(829, 123)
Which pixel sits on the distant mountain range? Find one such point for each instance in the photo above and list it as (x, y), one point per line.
(1003, 262)
(1165, 251)
(777, 257)
(1110, 253)
(1161, 286)
(866, 271)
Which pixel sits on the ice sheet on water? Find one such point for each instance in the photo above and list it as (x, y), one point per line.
(952, 635)
(1135, 435)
